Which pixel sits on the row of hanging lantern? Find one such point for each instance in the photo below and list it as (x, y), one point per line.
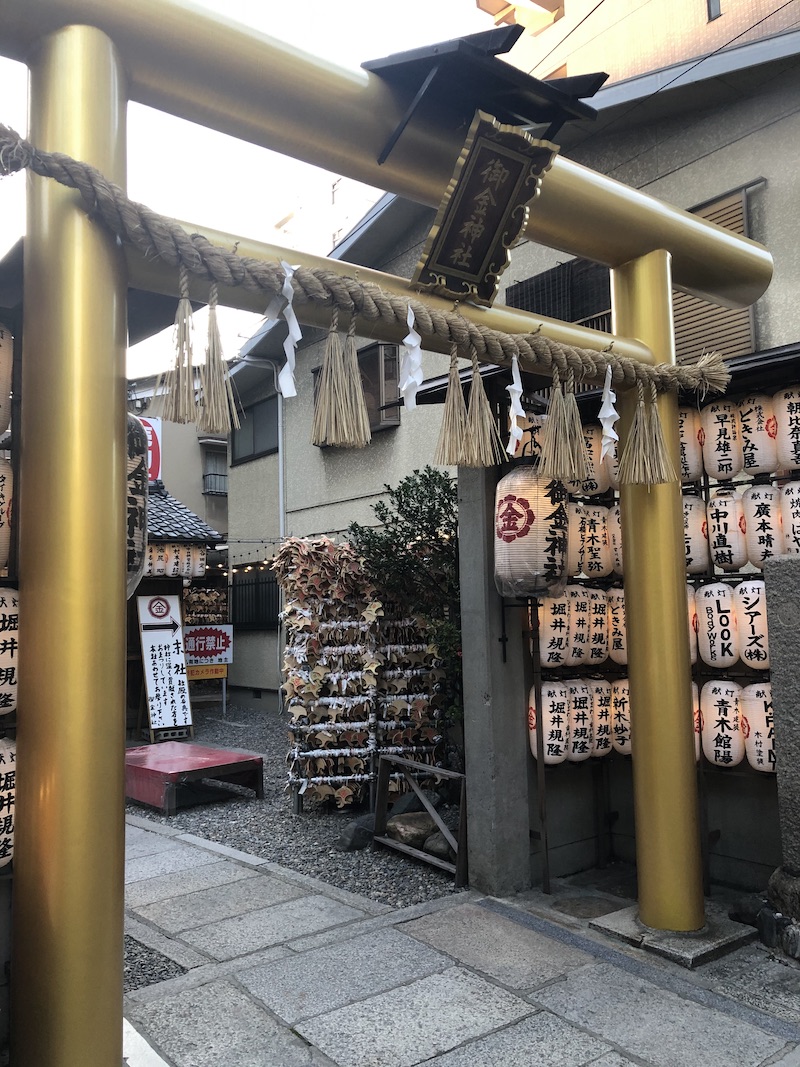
(756, 435)
(9, 614)
(581, 718)
(590, 717)
(732, 531)
(585, 627)
(175, 560)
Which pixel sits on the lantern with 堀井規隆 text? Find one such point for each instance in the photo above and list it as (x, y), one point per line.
(530, 534)
(555, 722)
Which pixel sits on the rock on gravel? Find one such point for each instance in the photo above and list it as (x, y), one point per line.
(305, 843)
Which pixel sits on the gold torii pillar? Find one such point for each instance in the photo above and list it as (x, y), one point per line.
(68, 869)
(69, 862)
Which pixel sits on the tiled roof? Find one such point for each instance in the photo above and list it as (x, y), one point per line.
(169, 520)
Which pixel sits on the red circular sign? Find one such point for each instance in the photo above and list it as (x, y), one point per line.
(158, 607)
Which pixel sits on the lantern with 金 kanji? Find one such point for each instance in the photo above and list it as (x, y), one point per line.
(615, 537)
(530, 534)
(790, 518)
(786, 407)
(617, 634)
(695, 534)
(721, 438)
(136, 503)
(726, 530)
(9, 649)
(691, 452)
(717, 627)
(579, 710)
(8, 793)
(757, 726)
(555, 721)
(575, 516)
(763, 526)
(720, 711)
(621, 716)
(601, 716)
(750, 600)
(759, 432)
(554, 630)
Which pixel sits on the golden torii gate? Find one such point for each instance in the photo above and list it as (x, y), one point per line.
(87, 58)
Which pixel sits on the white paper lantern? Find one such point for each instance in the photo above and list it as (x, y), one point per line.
(6, 368)
(697, 719)
(759, 433)
(750, 600)
(579, 626)
(726, 530)
(186, 561)
(762, 516)
(790, 518)
(717, 629)
(9, 649)
(691, 452)
(615, 536)
(136, 503)
(156, 565)
(617, 635)
(612, 465)
(621, 716)
(530, 534)
(757, 726)
(174, 560)
(723, 742)
(695, 534)
(198, 557)
(786, 406)
(598, 627)
(597, 556)
(598, 480)
(579, 706)
(721, 439)
(575, 516)
(8, 795)
(6, 502)
(691, 606)
(601, 716)
(555, 721)
(554, 630)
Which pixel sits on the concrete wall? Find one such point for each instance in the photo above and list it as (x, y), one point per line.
(182, 474)
(628, 37)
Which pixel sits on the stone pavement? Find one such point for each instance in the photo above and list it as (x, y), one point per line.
(284, 970)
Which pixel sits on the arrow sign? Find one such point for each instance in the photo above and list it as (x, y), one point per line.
(171, 625)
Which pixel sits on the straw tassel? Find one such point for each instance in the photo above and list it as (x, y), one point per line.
(554, 461)
(218, 413)
(573, 428)
(177, 385)
(482, 444)
(634, 463)
(329, 416)
(358, 416)
(662, 469)
(454, 419)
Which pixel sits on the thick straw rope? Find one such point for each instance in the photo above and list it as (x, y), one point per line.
(158, 237)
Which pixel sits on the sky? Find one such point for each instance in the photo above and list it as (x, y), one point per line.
(257, 190)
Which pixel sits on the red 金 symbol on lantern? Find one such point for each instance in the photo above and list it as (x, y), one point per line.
(701, 436)
(772, 427)
(514, 518)
(742, 523)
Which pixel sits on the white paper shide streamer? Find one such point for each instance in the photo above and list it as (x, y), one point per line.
(282, 305)
(411, 364)
(608, 417)
(516, 413)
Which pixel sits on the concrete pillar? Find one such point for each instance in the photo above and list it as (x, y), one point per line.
(495, 703)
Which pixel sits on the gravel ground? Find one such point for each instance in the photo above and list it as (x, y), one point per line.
(304, 843)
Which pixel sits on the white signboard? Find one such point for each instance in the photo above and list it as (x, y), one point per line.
(210, 643)
(152, 427)
(164, 662)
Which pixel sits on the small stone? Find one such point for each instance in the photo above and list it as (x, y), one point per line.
(767, 927)
(413, 828)
(746, 908)
(438, 845)
(410, 802)
(790, 941)
(355, 836)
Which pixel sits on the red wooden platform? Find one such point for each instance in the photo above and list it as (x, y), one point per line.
(154, 773)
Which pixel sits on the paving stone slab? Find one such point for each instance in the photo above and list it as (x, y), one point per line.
(301, 986)
(204, 906)
(166, 886)
(756, 977)
(411, 1024)
(218, 1025)
(504, 950)
(242, 934)
(174, 950)
(178, 858)
(654, 1023)
(541, 1039)
(139, 843)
